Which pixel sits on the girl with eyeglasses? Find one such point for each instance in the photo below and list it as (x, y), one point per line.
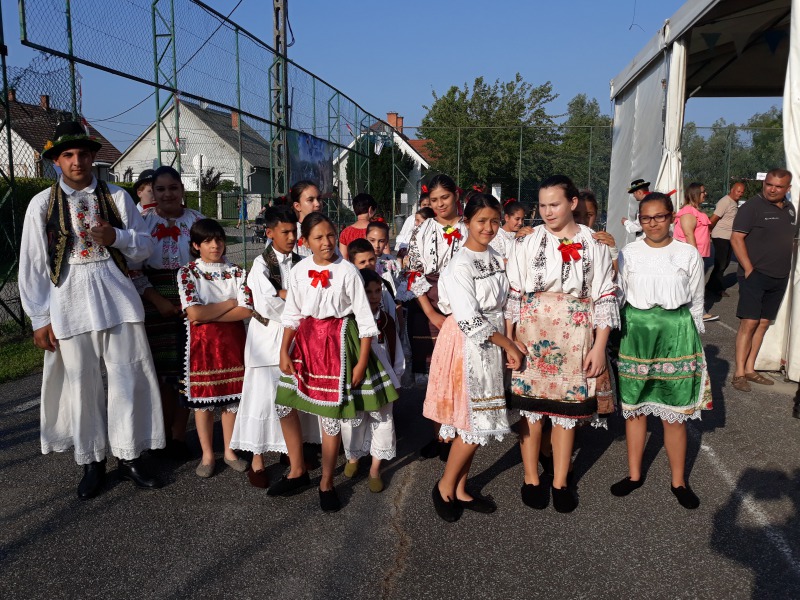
(662, 365)
(694, 227)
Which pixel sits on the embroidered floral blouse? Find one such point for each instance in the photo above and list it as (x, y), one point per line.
(474, 288)
(201, 283)
(536, 264)
(669, 277)
(502, 242)
(430, 249)
(338, 294)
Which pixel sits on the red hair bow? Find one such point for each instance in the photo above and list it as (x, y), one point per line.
(425, 189)
(161, 232)
(477, 188)
(509, 201)
(379, 220)
(318, 277)
(570, 251)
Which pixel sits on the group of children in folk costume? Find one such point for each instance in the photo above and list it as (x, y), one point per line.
(340, 352)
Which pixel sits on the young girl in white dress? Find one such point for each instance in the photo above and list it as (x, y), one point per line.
(513, 227)
(466, 391)
(433, 244)
(562, 307)
(216, 299)
(326, 360)
(662, 365)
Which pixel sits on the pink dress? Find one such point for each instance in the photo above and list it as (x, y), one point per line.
(702, 233)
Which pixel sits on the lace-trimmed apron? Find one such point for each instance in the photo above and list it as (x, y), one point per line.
(215, 366)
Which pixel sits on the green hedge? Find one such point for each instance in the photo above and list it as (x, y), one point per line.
(209, 203)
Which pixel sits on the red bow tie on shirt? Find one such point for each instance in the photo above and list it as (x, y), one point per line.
(318, 277)
(570, 251)
(161, 232)
(452, 235)
(412, 276)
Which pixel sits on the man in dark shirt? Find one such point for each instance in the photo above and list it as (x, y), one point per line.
(762, 238)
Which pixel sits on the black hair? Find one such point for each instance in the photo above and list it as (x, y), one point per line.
(312, 220)
(512, 206)
(426, 212)
(370, 276)
(205, 230)
(588, 196)
(424, 195)
(382, 225)
(658, 197)
(166, 170)
(562, 181)
(478, 201)
(298, 188)
(443, 181)
(362, 203)
(358, 246)
(279, 214)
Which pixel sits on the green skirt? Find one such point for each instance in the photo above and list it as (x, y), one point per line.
(323, 355)
(662, 365)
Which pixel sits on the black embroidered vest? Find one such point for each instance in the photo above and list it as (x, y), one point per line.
(58, 227)
(274, 267)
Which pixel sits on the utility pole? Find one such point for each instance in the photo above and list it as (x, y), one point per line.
(280, 101)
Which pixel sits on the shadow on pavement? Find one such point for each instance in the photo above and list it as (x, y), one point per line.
(742, 533)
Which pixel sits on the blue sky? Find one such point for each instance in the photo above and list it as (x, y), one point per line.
(389, 56)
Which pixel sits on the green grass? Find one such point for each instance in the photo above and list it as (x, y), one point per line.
(18, 356)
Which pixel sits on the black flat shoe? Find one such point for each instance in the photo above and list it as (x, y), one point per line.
(686, 497)
(479, 504)
(535, 496)
(564, 500)
(134, 471)
(449, 511)
(329, 501)
(444, 450)
(625, 486)
(289, 487)
(430, 449)
(547, 464)
(94, 475)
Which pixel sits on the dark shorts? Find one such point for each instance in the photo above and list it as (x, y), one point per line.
(760, 296)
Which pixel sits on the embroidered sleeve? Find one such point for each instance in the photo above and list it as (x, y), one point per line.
(461, 282)
(516, 270)
(416, 249)
(603, 289)
(135, 242)
(244, 295)
(187, 286)
(140, 280)
(697, 289)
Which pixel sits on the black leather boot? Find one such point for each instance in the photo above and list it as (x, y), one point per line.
(94, 476)
(135, 471)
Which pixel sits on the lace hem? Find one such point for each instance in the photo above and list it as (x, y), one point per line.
(448, 432)
(332, 427)
(259, 448)
(99, 454)
(565, 422)
(383, 454)
(662, 412)
(513, 305)
(699, 324)
(606, 313)
(477, 330)
(140, 281)
(420, 286)
(282, 411)
(233, 408)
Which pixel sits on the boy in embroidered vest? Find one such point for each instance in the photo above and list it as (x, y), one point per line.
(258, 427)
(77, 238)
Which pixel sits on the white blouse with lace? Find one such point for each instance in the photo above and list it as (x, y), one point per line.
(502, 242)
(669, 277)
(535, 264)
(338, 294)
(430, 250)
(201, 283)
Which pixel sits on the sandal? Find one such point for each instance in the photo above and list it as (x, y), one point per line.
(758, 378)
(740, 383)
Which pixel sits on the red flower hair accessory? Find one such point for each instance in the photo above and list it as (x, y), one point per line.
(425, 189)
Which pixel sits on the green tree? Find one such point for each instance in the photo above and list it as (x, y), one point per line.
(476, 133)
(210, 179)
(584, 153)
(364, 164)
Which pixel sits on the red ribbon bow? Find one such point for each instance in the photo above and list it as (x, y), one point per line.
(299, 242)
(570, 251)
(379, 220)
(509, 201)
(318, 277)
(424, 189)
(412, 276)
(453, 235)
(161, 232)
(477, 188)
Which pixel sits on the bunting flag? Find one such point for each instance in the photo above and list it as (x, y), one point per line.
(773, 38)
(711, 39)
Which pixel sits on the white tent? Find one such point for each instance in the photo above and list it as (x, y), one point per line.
(709, 48)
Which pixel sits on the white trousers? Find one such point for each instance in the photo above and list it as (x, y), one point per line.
(77, 413)
(372, 434)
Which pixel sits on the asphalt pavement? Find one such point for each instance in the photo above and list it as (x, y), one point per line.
(222, 538)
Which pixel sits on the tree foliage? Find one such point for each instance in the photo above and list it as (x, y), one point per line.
(210, 179)
(477, 132)
(364, 166)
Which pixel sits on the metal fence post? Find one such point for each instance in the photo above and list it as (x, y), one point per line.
(73, 91)
(242, 199)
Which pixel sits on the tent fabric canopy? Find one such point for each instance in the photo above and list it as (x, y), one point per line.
(731, 48)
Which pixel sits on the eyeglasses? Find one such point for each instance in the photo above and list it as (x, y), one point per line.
(657, 218)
